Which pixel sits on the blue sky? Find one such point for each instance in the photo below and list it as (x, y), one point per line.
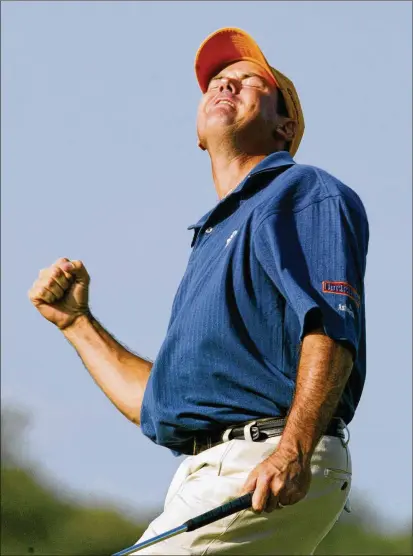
(100, 163)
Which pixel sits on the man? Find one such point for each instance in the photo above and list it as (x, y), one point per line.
(264, 357)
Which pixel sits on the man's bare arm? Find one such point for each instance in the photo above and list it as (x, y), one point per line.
(323, 371)
(120, 374)
(324, 368)
(61, 295)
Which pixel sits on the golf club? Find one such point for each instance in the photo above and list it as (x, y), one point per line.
(242, 503)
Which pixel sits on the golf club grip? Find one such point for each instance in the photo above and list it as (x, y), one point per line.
(242, 503)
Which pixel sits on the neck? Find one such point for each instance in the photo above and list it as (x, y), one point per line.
(229, 170)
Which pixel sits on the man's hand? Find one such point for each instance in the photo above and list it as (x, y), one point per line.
(60, 293)
(283, 478)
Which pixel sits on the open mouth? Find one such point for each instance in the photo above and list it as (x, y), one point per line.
(225, 101)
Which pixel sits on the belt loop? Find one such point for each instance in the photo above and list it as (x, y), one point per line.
(247, 431)
(345, 442)
(194, 451)
(225, 436)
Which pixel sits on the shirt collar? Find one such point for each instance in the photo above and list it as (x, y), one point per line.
(273, 161)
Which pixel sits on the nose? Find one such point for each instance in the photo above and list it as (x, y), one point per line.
(228, 84)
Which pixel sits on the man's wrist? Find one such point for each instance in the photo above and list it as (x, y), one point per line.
(299, 439)
(295, 449)
(81, 321)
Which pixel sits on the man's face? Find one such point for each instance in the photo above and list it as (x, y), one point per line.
(241, 99)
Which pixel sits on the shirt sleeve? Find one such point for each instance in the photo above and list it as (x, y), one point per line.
(316, 258)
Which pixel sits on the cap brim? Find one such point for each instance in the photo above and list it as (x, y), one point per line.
(224, 47)
(229, 45)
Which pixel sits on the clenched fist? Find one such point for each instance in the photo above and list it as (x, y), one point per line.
(61, 292)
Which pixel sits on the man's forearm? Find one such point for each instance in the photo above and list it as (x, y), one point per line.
(323, 371)
(119, 373)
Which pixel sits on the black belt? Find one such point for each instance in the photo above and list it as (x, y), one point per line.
(255, 431)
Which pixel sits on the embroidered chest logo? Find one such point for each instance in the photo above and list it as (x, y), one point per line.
(341, 288)
(231, 237)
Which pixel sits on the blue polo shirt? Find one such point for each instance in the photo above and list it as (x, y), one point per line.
(285, 252)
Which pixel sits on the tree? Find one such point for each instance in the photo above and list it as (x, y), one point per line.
(35, 519)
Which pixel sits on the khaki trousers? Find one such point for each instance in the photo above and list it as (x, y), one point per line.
(211, 478)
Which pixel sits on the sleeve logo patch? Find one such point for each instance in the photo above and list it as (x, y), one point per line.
(341, 288)
(346, 309)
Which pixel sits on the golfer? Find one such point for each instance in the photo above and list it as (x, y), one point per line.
(263, 363)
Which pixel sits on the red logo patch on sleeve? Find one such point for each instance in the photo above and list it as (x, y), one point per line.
(341, 288)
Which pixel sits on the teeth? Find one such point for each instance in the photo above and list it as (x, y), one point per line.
(225, 102)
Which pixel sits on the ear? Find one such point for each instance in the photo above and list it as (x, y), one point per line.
(286, 130)
(201, 146)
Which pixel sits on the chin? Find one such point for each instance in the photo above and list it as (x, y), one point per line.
(219, 123)
(220, 119)
(214, 126)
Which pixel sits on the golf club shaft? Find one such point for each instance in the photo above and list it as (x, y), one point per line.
(242, 503)
(153, 540)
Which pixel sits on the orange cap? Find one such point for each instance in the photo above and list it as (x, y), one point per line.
(229, 45)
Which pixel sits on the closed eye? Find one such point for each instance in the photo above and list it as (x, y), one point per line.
(213, 84)
(248, 80)
(253, 81)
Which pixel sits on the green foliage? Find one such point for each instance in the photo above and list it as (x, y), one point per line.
(351, 539)
(36, 520)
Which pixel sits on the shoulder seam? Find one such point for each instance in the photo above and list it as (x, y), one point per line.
(275, 211)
